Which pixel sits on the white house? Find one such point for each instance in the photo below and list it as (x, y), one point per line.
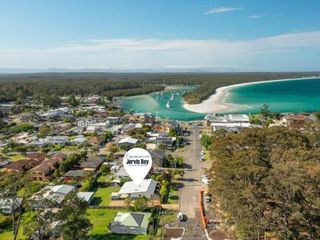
(84, 122)
(98, 126)
(114, 120)
(147, 188)
(62, 140)
(229, 127)
(85, 196)
(229, 118)
(128, 141)
(54, 193)
(79, 140)
(40, 142)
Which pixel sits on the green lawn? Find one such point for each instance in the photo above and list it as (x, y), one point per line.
(6, 234)
(16, 157)
(70, 149)
(103, 178)
(173, 194)
(100, 220)
(102, 196)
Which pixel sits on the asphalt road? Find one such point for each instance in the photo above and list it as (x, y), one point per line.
(191, 185)
(189, 193)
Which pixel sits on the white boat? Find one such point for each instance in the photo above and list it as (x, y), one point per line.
(172, 97)
(168, 104)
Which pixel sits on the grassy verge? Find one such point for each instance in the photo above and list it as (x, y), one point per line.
(173, 194)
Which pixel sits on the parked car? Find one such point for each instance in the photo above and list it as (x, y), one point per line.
(181, 216)
(205, 179)
(207, 198)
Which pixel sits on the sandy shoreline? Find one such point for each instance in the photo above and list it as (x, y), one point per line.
(216, 102)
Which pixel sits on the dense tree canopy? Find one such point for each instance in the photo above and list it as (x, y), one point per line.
(46, 87)
(267, 182)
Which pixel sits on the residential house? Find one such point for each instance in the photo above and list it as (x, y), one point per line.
(229, 118)
(294, 120)
(147, 188)
(74, 176)
(79, 140)
(21, 165)
(61, 140)
(85, 122)
(158, 157)
(114, 120)
(119, 155)
(127, 142)
(96, 141)
(121, 172)
(44, 170)
(98, 126)
(141, 117)
(166, 141)
(130, 223)
(85, 196)
(55, 113)
(8, 205)
(229, 127)
(54, 193)
(59, 157)
(92, 164)
(36, 156)
(39, 142)
(229, 122)
(174, 125)
(101, 114)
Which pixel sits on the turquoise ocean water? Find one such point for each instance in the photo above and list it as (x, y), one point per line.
(156, 102)
(284, 96)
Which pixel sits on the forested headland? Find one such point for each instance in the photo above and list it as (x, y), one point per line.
(43, 85)
(267, 182)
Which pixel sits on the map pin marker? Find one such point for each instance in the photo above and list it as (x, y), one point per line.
(137, 163)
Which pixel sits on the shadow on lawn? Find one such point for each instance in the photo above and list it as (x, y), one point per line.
(96, 201)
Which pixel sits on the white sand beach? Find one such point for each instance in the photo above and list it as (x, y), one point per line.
(216, 102)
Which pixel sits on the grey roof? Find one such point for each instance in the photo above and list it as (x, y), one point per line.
(85, 196)
(121, 173)
(128, 140)
(157, 153)
(92, 163)
(63, 189)
(138, 217)
(75, 173)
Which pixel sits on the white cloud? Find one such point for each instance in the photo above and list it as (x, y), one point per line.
(133, 54)
(222, 10)
(255, 16)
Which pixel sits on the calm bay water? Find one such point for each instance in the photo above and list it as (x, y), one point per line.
(284, 96)
(156, 102)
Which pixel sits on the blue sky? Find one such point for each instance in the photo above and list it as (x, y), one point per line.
(161, 35)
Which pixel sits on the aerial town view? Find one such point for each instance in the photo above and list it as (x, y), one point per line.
(151, 120)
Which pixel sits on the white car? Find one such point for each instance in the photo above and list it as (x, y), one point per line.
(181, 216)
(207, 199)
(205, 181)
